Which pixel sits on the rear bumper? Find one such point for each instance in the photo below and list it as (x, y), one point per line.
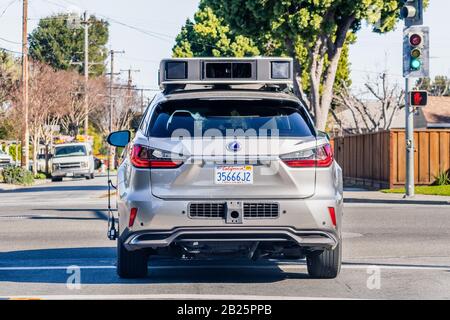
(6, 164)
(314, 239)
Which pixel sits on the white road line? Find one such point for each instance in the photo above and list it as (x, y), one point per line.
(281, 266)
(166, 297)
(392, 205)
(53, 268)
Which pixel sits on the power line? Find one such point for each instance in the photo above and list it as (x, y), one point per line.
(10, 41)
(7, 7)
(55, 4)
(11, 51)
(157, 35)
(375, 72)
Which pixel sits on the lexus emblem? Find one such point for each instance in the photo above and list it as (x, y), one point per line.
(234, 146)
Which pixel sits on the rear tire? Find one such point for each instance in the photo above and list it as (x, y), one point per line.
(131, 264)
(325, 265)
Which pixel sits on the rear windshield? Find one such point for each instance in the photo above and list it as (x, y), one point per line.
(230, 117)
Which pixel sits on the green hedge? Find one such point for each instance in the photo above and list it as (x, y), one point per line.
(17, 175)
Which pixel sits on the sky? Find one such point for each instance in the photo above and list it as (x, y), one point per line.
(159, 21)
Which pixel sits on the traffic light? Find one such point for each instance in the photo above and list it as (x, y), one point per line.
(416, 52)
(418, 98)
(412, 12)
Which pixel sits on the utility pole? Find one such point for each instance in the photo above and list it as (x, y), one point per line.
(111, 107)
(130, 80)
(85, 24)
(142, 102)
(26, 132)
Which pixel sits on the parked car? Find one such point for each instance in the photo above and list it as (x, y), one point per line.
(41, 163)
(5, 159)
(227, 163)
(73, 160)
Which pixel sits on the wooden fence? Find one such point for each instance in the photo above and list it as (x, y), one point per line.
(377, 160)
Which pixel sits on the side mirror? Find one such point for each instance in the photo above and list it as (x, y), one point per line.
(119, 138)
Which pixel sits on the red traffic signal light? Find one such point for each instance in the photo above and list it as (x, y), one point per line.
(415, 40)
(418, 98)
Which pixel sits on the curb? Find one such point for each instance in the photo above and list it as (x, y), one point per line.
(10, 187)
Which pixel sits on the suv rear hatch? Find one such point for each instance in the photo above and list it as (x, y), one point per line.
(209, 140)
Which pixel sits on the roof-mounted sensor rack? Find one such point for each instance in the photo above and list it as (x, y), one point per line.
(176, 73)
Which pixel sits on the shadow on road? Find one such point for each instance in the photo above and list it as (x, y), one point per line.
(401, 201)
(161, 271)
(96, 214)
(56, 188)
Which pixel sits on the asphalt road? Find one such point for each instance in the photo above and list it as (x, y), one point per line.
(390, 251)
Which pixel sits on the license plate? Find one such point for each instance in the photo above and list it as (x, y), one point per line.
(234, 175)
(69, 174)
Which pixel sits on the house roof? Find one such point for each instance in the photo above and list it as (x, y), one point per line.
(435, 115)
(374, 108)
(437, 110)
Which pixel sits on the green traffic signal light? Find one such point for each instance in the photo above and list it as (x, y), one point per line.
(416, 64)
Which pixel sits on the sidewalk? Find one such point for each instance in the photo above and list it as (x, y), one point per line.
(356, 195)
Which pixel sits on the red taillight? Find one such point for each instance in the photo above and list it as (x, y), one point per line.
(320, 157)
(133, 214)
(332, 213)
(142, 157)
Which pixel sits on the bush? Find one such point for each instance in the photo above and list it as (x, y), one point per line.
(17, 175)
(12, 152)
(40, 176)
(442, 179)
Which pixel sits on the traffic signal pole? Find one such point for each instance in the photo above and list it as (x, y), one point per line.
(415, 65)
(409, 136)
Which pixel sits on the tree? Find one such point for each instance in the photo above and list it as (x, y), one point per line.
(58, 44)
(9, 82)
(9, 75)
(48, 98)
(369, 115)
(439, 87)
(126, 106)
(308, 30)
(75, 110)
(208, 36)
(54, 100)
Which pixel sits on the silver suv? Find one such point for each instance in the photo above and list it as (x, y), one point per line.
(227, 164)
